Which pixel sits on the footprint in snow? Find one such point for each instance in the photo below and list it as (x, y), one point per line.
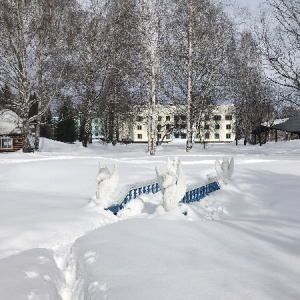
(90, 257)
(33, 295)
(32, 274)
(98, 286)
(43, 260)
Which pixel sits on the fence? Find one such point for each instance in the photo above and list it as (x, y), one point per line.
(195, 192)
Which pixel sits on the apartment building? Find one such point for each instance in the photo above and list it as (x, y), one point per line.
(218, 125)
(215, 125)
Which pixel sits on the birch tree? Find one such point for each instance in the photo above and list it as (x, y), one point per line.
(250, 89)
(280, 44)
(123, 65)
(88, 69)
(26, 54)
(151, 22)
(198, 45)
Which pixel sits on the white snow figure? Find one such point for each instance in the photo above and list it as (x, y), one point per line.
(172, 184)
(225, 169)
(107, 183)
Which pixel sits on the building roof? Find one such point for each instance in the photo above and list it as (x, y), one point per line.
(9, 123)
(291, 125)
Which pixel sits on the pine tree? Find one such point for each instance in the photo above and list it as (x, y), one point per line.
(47, 126)
(65, 129)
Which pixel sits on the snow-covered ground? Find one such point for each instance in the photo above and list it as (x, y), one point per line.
(241, 242)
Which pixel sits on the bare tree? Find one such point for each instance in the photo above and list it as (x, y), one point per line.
(198, 43)
(88, 69)
(280, 44)
(250, 89)
(151, 27)
(123, 65)
(29, 39)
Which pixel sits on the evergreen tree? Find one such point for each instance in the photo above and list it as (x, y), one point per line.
(65, 129)
(47, 126)
(5, 97)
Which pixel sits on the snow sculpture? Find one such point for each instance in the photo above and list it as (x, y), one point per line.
(107, 184)
(172, 183)
(225, 169)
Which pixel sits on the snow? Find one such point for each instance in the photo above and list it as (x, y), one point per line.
(275, 122)
(9, 122)
(172, 184)
(241, 242)
(107, 184)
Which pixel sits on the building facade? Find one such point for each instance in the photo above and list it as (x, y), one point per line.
(216, 124)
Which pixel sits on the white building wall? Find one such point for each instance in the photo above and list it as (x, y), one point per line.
(218, 124)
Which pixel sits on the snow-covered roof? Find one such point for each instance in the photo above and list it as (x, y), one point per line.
(9, 122)
(291, 125)
(275, 122)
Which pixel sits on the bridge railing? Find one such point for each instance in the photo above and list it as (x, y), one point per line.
(132, 191)
(198, 190)
(194, 192)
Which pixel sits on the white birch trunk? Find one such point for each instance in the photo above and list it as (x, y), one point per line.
(189, 125)
(24, 85)
(38, 128)
(152, 132)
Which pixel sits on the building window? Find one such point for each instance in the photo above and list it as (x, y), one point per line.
(228, 136)
(206, 136)
(168, 118)
(158, 127)
(228, 126)
(217, 126)
(159, 118)
(206, 126)
(159, 136)
(6, 143)
(139, 127)
(139, 118)
(140, 136)
(217, 117)
(228, 117)
(217, 136)
(168, 127)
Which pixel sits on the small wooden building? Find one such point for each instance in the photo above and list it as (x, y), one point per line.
(10, 132)
(11, 142)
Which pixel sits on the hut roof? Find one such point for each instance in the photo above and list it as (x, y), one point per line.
(9, 123)
(291, 125)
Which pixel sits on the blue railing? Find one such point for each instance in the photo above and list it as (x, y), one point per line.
(195, 192)
(133, 191)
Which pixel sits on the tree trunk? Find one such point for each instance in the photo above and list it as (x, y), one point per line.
(152, 131)
(189, 125)
(26, 131)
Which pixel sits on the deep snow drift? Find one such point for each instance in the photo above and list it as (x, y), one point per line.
(241, 242)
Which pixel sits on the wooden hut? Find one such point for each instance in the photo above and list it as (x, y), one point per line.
(10, 132)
